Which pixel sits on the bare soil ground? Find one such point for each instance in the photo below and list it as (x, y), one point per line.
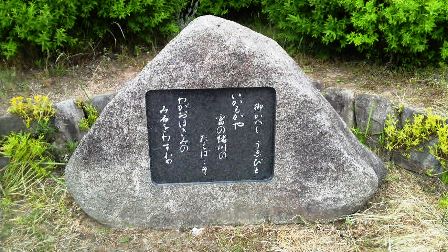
(423, 88)
(106, 74)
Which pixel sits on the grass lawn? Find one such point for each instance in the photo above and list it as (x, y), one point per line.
(403, 216)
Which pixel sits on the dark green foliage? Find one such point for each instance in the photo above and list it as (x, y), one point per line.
(49, 26)
(91, 114)
(223, 7)
(400, 31)
(397, 30)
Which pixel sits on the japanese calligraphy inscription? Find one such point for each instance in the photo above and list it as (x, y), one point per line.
(211, 135)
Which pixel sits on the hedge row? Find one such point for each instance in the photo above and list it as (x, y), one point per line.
(50, 25)
(402, 30)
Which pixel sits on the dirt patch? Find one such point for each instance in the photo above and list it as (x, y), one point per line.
(103, 75)
(422, 88)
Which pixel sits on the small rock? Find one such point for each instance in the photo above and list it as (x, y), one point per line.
(67, 119)
(419, 161)
(375, 107)
(197, 231)
(3, 161)
(100, 101)
(318, 84)
(342, 100)
(408, 114)
(11, 123)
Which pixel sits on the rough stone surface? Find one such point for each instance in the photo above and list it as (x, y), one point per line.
(342, 100)
(321, 170)
(418, 161)
(11, 123)
(318, 85)
(3, 161)
(408, 115)
(67, 119)
(374, 106)
(100, 101)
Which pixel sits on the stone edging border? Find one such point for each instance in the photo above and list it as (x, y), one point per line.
(67, 119)
(354, 109)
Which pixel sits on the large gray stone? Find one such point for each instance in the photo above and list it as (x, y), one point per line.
(100, 101)
(371, 111)
(321, 170)
(342, 100)
(11, 123)
(67, 119)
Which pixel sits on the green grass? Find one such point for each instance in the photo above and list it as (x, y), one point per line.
(401, 216)
(443, 202)
(37, 219)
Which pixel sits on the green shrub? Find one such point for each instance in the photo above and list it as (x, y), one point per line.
(33, 109)
(30, 154)
(396, 29)
(37, 113)
(412, 134)
(443, 202)
(440, 150)
(50, 26)
(222, 7)
(91, 114)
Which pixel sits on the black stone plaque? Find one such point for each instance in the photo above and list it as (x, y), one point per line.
(211, 135)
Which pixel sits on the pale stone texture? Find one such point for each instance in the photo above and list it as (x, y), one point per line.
(100, 101)
(67, 119)
(321, 170)
(342, 100)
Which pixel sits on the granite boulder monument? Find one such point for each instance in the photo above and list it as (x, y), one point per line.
(221, 127)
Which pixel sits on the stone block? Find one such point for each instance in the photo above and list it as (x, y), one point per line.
(67, 119)
(342, 100)
(371, 111)
(407, 115)
(419, 160)
(3, 161)
(11, 123)
(100, 101)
